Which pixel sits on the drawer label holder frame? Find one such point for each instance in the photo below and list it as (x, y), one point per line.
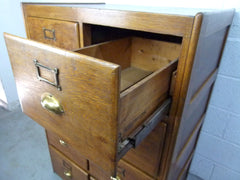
(55, 72)
(45, 30)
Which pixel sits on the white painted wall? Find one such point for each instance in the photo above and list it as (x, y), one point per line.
(217, 155)
(11, 21)
(2, 93)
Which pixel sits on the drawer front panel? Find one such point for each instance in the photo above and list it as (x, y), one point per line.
(125, 171)
(62, 34)
(128, 172)
(65, 168)
(147, 155)
(89, 87)
(78, 97)
(66, 148)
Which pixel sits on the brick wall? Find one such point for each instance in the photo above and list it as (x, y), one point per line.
(217, 156)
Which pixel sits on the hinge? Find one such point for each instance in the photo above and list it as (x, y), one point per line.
(147, 127)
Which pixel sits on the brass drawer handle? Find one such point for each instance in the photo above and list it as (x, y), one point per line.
(68, 173)
(46, 32)
(50, 103)
(63, 143)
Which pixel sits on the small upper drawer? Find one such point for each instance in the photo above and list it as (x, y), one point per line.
(63, 34)
(104, 98)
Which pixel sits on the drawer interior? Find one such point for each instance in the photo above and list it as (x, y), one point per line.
(138, 57)
(146, 69)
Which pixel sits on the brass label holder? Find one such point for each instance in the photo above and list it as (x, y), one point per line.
(52, 31)
(55, 71)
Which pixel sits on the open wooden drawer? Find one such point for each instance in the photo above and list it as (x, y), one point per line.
(103, 99)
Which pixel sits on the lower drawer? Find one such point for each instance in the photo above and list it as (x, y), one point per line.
(65, 168)
(66, 148)
(128, 172)
(125, 171)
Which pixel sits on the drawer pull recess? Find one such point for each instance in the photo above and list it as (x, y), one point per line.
(50, 103)
(54, 71)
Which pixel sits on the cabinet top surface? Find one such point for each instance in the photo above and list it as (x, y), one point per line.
(149, 9)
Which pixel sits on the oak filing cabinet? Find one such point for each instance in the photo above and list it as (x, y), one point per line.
(121, 91)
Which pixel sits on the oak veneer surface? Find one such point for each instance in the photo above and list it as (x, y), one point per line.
(83, 100)
(164, 23)
(62, 165)
(83, 123)
(206, 53)
(128, 172)
(180, 11)
(156, 59)
(67, 149)
(62, 34)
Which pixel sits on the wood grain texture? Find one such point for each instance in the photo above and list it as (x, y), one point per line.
(141, 56)
(128, 172)
(89, 88)
(147, 156)
(208, 54)
(97, 172)
(190, 93)
(186, 152)
(139, 101)
(66, 33)
(191, 118)
(62, 164)
(191, 142)
(191, 111)
(203, 73)
(67, 150)
(150, 55)
(215, 21)
(117, 51)
(144, 21)
(184, 172)
(86, 38)
(131, 76)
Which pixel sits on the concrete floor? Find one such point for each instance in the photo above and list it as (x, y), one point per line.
(23, 149)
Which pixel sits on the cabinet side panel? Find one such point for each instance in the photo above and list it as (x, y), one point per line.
(201, 78)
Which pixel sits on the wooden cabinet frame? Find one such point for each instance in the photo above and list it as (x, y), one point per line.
(203, 38)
